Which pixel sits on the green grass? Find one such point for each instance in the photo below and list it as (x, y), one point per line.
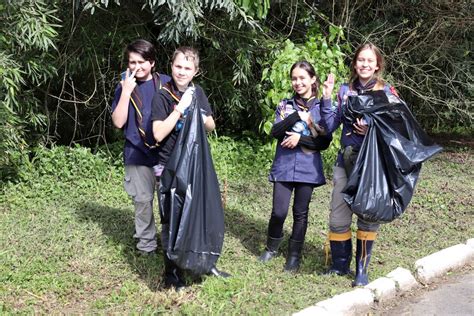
(66, 243)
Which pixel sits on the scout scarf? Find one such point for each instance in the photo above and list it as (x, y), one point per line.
(300, 104)
(357, 86)
(138, 105)
(304, 105)
(175, 94)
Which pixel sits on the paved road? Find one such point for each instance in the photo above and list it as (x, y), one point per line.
(452, 296)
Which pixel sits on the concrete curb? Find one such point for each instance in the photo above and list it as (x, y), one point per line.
(400, 280)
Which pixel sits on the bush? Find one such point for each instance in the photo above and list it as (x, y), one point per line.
(240, 159)
(64, 164)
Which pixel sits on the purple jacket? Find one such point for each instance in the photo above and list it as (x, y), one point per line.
(297, 164)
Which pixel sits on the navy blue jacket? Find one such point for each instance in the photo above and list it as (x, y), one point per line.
(302, 163)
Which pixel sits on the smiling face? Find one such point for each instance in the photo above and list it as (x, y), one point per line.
(302, 82)
(366, 65)
(143, 67)
(183, 70)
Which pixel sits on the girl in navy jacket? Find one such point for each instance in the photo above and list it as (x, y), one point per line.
(297, 165)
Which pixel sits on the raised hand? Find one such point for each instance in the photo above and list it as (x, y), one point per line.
(129, 82)
(328, 86)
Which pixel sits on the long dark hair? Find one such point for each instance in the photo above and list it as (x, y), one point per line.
(380, 62)
(311, 72)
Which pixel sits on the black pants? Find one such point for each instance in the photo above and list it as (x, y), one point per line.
(281, 202)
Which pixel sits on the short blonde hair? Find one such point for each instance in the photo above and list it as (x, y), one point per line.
(190, 53)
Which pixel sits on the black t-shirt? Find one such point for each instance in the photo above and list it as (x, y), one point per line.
(162, 106)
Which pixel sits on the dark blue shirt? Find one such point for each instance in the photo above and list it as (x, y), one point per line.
(135, 152)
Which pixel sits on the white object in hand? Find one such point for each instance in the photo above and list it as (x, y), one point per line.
(186, 100)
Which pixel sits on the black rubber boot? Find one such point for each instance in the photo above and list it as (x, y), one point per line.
(341, 253)
(218, 273)
(294, 255)
(271, 250)
(173, 275)
(365, 241)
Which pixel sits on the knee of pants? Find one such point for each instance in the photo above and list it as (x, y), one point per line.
(339, 229)
(143, 208)
(301, 218)
(277, 218)
(137, 196)
(339, 224)
(366, 226)
(340, 219)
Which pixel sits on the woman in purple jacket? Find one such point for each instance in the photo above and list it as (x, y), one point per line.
(366, 69)
(297, 165)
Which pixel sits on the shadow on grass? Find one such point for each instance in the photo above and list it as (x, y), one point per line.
(118, 226)
(252, 233)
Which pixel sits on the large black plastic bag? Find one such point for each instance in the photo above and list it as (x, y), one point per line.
(382, 182)
(190, 196)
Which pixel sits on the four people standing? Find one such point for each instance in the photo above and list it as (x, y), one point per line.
(303, 126)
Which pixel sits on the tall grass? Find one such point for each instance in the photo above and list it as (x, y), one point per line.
(66, 241)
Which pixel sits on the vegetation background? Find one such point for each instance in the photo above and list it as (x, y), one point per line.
(66, 230)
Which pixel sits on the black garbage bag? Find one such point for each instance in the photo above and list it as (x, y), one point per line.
(385, 173)
(190, 196)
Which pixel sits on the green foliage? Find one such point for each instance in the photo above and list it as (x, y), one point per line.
(27, 61)
(65, 165)
(242, 159)
(183, 18)
(325, 54)
(255, 8)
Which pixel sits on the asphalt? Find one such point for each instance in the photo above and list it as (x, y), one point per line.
(452, 295)
(412, 290)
